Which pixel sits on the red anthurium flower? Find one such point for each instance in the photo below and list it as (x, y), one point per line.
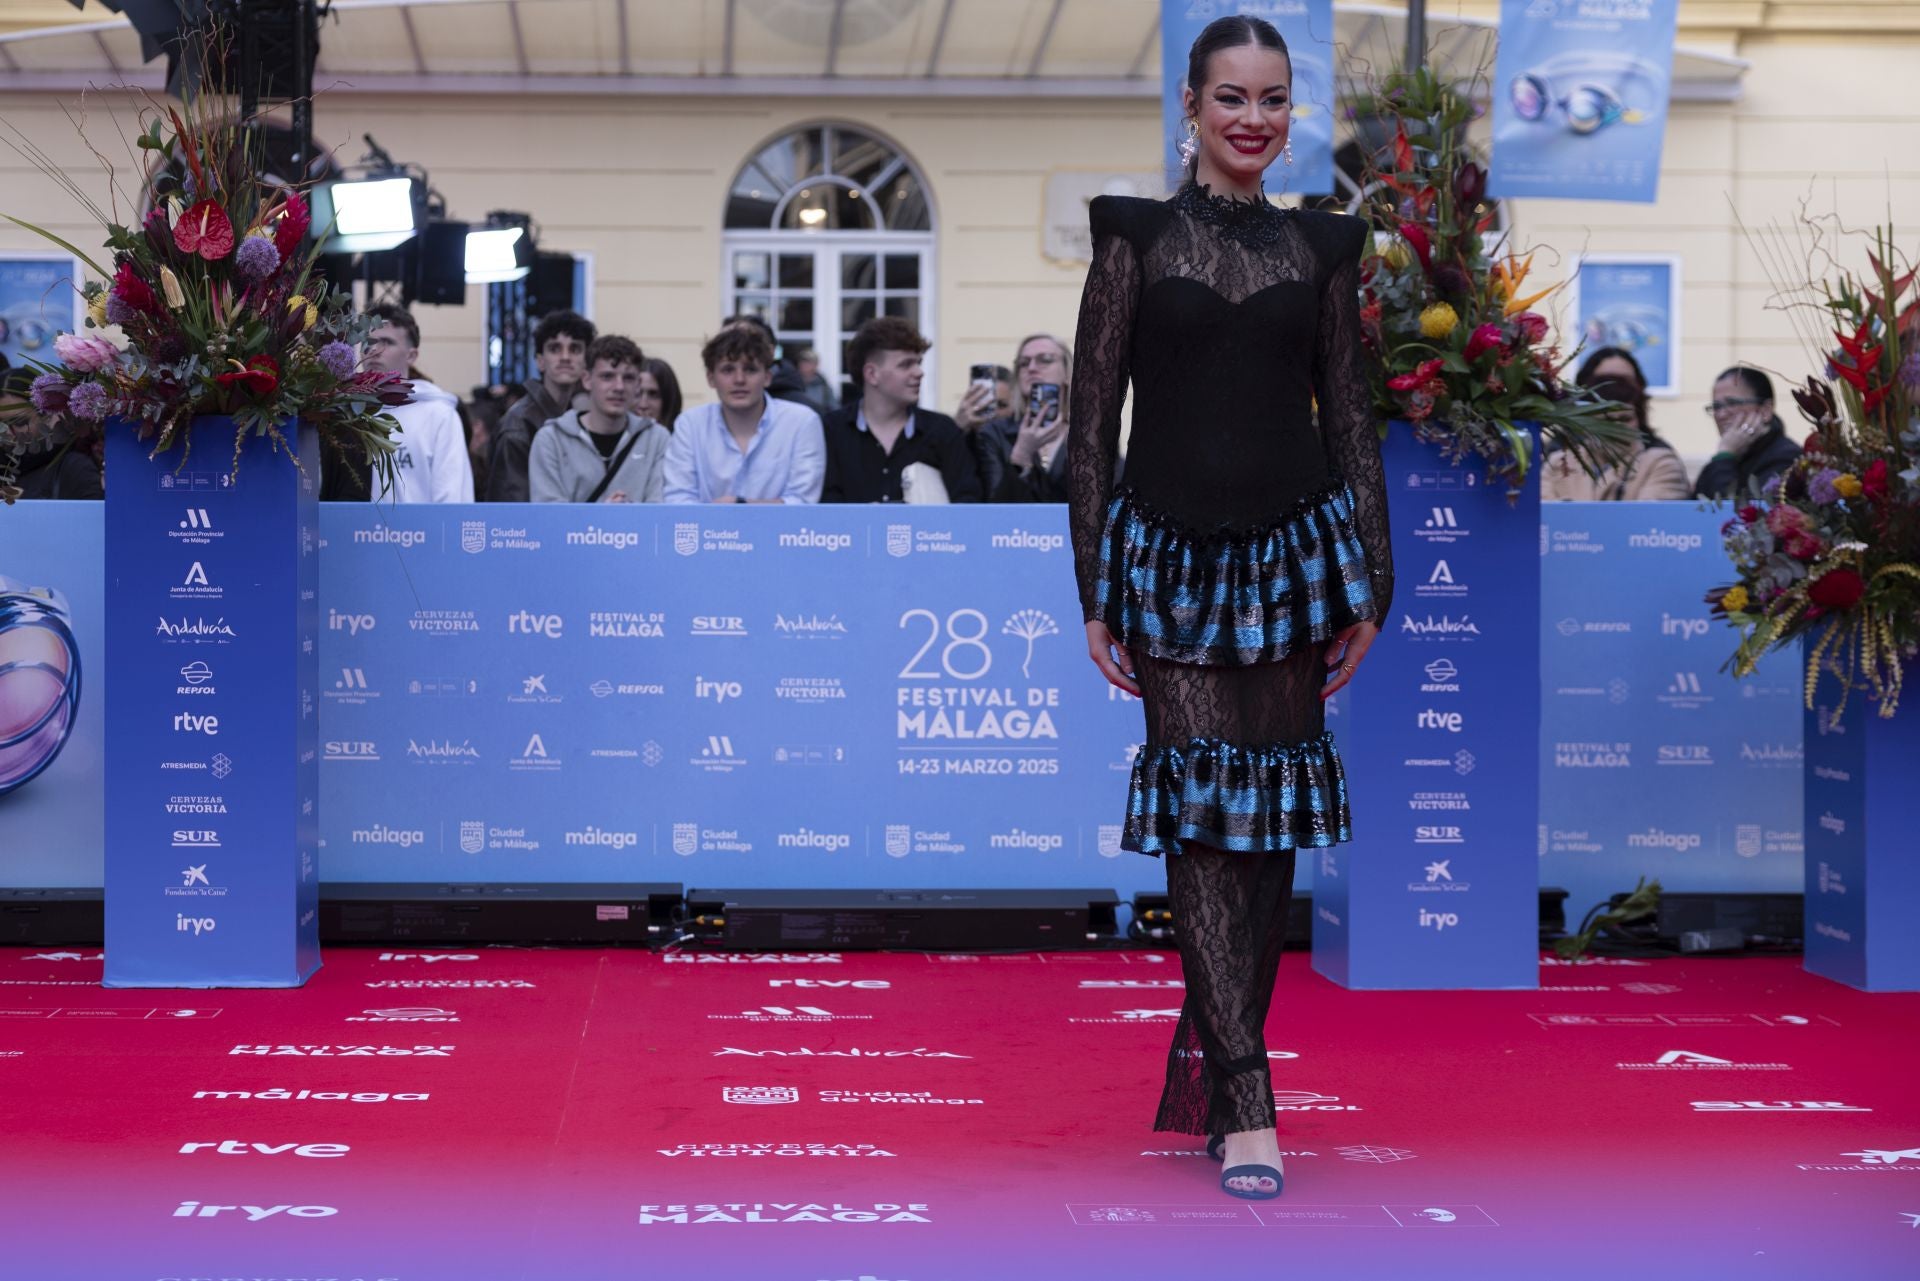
(1407, 382)
(133, 291)
(1837, 589)
(1484, 338)
(1873, 481)
(204, 230)
(259, 376)
(292, 227)
(1402, 150)
(1416, 235)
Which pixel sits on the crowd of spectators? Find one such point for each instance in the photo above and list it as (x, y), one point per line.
(601, 421)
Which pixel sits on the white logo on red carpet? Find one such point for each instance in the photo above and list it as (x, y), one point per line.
(759, 1094)
(405, 1014)
(1308, 1101)
(1875, 1160)
(1782, 1106)
(1376, 1155)
(774, 1149)
(838, 1212)
(234, 1147)
(789, 1014)
(1692, 1061)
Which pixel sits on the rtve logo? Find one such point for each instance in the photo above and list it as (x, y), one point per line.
(188, 723)
(351, 624)
(1451, 722)
(525, 623)
(234, 1147)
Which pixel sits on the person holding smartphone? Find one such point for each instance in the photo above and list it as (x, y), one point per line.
(1022, 457)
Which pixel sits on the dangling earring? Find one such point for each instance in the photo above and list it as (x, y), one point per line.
(1287, 151)
(1190, 145)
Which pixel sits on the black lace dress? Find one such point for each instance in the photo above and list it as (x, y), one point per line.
(1245, 534)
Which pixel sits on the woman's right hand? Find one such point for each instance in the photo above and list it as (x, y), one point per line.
(1111, 657)
(1742, 432)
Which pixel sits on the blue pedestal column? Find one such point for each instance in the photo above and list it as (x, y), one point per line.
(1862, 816)
(1439, 887)
(212, 739)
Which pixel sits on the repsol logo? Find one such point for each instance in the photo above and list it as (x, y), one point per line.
(383, 835)
(1021, 839)
(1024, 540)
(1665, 540)
(805, 537)
(808, 839)
(594, 536)
(600, 836)
(1655, 838)
(402, 538)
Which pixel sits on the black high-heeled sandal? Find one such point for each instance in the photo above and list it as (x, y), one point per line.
(1217, 1147)
(1252, 1172)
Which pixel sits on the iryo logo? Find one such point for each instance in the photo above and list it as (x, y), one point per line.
(1684, 628)
(1438, 920)
(197, 924)
(351, 624)
(718, 691)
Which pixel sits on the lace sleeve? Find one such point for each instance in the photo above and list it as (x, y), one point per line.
(1100, 374)
(1342, 385)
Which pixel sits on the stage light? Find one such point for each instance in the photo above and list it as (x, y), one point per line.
(498, 254)
(367, 215)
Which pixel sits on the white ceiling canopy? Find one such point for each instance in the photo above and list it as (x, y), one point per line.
(839, 48)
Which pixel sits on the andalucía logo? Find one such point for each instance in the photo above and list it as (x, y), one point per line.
(838, 1212)
(729, 1051)
(197, 631)
(774, 1149)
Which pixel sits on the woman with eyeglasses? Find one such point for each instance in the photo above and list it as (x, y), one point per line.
(1654, 474)
(1753, 441)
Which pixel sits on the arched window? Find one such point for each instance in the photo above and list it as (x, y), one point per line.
(826, 227)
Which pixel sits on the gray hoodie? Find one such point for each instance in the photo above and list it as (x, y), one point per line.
(565, 465)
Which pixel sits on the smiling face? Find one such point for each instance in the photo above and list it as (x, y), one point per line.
(741, 383)
(1244, 111)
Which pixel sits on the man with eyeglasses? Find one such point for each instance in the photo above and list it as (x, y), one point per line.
(1753, 441)
(1022, 456)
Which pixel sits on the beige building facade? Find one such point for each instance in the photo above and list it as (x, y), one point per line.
(634, 166)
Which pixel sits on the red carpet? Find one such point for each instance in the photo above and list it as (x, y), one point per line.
(514, 1114)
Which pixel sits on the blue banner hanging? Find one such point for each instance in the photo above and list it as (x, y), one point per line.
(1580, 92)
(1307, 27)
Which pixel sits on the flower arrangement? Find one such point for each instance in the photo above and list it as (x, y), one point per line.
(216, 307)
(1462, 354)
(1829, 551)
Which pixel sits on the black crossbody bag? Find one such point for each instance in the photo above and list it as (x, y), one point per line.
(614, 464)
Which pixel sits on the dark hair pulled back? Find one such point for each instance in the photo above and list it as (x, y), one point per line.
(1235, 32)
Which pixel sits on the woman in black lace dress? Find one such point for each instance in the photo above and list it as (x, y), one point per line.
(1233, 578)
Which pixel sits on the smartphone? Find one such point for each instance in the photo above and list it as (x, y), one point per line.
(1044, 400)
(982, 376)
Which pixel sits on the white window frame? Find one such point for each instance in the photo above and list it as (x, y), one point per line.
(827, 249)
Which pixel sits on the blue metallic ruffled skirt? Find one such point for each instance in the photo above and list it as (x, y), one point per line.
(1230, 797)
(1234, 598)
(1230, 597)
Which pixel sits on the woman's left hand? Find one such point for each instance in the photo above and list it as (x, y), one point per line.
(1344, 653)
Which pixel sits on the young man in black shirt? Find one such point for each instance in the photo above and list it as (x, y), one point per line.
(870, 445)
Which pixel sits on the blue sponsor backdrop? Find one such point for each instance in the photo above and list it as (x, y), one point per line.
(1580, 93)
(865, 683)
(1653, 760)
(1632, 303)
(1438, 888)
(1862, 879)
(212, 773)
(1307, 27)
